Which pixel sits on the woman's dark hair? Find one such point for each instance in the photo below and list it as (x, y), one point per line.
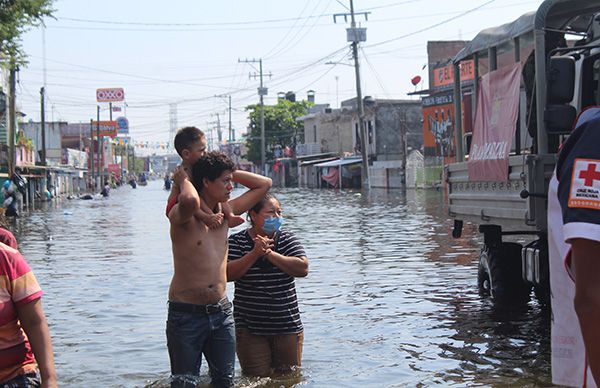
(260, 204)
(210, 166)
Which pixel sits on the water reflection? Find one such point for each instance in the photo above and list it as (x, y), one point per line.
(391, 298)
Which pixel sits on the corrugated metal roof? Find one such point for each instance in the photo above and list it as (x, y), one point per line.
(340, 162)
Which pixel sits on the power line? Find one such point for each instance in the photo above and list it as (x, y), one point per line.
(225, 23)
(431, 26)
(377, 78)
(390, 5)
(290, 46)
(288, 32)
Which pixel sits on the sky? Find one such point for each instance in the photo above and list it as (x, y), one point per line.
(185, 54)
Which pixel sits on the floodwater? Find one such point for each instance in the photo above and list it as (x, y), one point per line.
(390, 301)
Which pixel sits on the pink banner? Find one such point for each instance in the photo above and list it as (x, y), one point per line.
(495, 123)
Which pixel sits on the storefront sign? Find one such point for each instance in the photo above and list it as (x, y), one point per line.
(107, 128)
(110, 95)
(444, 76)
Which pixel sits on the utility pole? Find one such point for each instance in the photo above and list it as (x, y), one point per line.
(133, 158)
(12, 114)
(404, 145)
(43, 120)
(231, 134)
(92, 150)
(262, 91)
(122, 162)
(219, 133)
(356, 35)
(172, 125)
(99, 151)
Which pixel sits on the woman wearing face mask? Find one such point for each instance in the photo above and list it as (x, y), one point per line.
(263, 261)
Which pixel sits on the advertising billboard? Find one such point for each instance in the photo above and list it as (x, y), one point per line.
(110, 95)
(107, 128)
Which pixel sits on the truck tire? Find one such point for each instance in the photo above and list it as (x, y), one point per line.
(483, 274)
(542, 293)
(499, 275)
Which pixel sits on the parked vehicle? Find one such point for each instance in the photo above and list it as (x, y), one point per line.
(499, 182)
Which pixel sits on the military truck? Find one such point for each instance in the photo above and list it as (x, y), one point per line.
(535, 76)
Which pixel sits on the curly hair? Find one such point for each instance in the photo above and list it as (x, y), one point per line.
(210, 166)
(185, 137)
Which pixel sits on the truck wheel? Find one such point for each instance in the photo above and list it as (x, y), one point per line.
(542, 293)
(499, 275)
(483, 274)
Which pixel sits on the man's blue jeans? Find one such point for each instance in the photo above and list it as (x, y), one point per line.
(193, 330)
(28, 380)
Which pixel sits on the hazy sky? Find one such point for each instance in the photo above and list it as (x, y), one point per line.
(186, 52)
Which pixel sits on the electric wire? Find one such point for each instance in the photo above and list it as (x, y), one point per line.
(377, 78)
(287, 33)
(430, 26)
(293, 43)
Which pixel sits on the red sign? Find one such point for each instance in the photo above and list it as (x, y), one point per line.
(107, 128)
(444, 76)
(495, 124)
(110, 95)
(114, 169)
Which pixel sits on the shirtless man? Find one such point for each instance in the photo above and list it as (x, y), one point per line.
(200, 317)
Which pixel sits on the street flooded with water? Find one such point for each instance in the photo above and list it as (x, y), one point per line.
(391, 299)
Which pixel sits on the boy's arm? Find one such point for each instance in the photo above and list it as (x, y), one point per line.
(32, 318)
(212, 220)
(188, 200)
(258, 185)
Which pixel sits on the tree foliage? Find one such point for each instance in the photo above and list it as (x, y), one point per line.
(281, 128)
(16, 17)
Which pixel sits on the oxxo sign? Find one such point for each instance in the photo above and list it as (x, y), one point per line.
(110, 95)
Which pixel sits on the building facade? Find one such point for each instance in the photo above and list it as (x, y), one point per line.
(393, 128)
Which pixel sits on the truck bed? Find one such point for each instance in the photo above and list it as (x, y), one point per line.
(500, 202)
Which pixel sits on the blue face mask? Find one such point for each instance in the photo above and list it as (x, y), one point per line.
(272, 225)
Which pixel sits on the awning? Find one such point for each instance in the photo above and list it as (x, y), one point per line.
(316, 161)
(340, 162)
(317, 156)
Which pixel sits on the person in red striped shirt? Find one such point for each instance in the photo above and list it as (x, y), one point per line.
(26, 357)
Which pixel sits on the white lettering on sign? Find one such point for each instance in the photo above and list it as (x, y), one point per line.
(110, 95)
(489, 151)
(585, 184)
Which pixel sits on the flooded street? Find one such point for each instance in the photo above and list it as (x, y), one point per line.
(390, 300)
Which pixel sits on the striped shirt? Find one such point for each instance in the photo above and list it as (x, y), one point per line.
(18, 286)
(265, 300)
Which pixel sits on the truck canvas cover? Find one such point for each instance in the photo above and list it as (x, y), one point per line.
(495, 123)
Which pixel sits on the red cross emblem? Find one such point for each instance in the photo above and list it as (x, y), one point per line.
(590, 175)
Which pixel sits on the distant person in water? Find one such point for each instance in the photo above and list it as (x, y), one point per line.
(167, 181)
(263, 262)
(200, 318)
(190, 144)
(106, 190)
(24, 335)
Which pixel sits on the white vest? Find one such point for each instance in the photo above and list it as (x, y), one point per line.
(569, 365)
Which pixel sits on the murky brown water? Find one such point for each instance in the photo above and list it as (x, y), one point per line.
(391, 299)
